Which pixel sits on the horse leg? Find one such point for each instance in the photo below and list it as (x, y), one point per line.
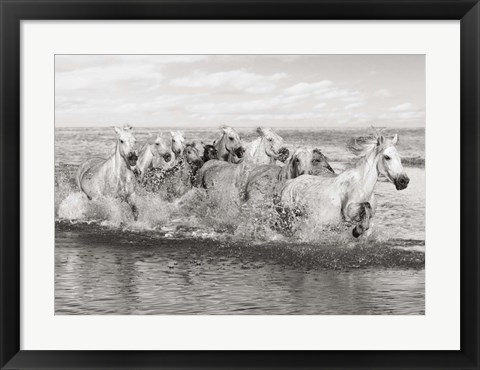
(131, 200)
(361, 213)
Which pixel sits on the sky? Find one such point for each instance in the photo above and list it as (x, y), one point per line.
(240, 90)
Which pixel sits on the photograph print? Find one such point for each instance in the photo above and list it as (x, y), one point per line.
(240, 184)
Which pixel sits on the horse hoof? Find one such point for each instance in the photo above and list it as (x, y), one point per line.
(355, 233)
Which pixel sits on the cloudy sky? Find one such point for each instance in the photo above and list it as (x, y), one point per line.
(241, 90)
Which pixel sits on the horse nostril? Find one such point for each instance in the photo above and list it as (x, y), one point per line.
(239, 152)
(402, 182)
(167, 157)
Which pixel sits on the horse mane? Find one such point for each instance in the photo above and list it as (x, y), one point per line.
(362, 146)
(144, 147)
(178, 134)
(227, 129)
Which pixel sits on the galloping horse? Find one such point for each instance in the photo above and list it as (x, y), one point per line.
(229, 147)
(265, 181)
(113, 176)
(350, 195)
(154, 155)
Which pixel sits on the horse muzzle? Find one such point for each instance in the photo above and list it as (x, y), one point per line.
(167, 157)
(132, 159)
(239, 152)
(401, 182)
(283, 154)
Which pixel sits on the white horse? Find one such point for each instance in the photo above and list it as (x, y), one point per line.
(266, 149)
(178, 143)
(113, 176)
(350, 195)
(155, 155)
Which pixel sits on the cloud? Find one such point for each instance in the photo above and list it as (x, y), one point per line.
(240, 79)
(103, 77)
(307, 88)
(402, 107)
(382, 93)
(188, 89)
(354, 105)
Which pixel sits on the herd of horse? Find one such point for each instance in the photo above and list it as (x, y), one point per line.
(262, 171)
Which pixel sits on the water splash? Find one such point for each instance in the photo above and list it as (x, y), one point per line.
(199, 215)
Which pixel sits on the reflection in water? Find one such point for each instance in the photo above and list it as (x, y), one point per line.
(176, 277)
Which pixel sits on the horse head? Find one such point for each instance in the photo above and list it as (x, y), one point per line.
(273, 144)
(382, 150)
(390, 163)
(298, 164)
(192, 155)
(320, 164)
(126, 145)
(177, 143)
(209, 152)
(162, 151)
(230, 143)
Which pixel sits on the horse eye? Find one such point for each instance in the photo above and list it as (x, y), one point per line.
(121, 141)
(270, 139)
(231, 138)
(157, 143)
(386, 157)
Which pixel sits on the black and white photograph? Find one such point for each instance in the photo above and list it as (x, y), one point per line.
(240, 184)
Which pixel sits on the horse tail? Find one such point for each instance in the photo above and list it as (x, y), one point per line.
(80, 172)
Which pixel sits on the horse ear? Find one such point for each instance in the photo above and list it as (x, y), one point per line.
(380, 140)
(395, 139)
(117, 130)
(172, 134)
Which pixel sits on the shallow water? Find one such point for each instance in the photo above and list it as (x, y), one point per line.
(187, 257)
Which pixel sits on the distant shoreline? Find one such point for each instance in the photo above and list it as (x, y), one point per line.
(314, 128)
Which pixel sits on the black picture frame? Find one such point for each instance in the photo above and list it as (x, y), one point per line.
(14, 11)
